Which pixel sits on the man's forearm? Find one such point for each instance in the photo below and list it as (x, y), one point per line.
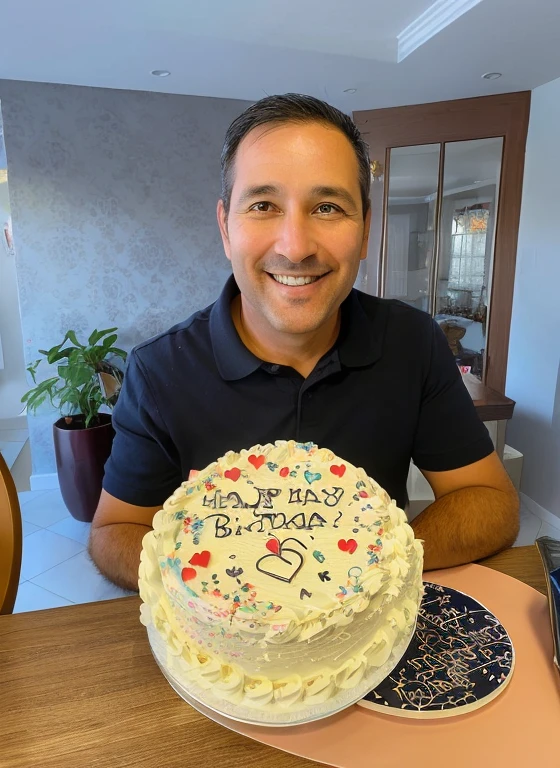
(115, 550)
(467, 525)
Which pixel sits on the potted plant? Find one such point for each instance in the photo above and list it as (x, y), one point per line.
(86, 380)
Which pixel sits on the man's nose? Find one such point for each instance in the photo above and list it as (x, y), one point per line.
(295, 239)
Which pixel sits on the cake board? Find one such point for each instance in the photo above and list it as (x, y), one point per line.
(459, 660)
(518, 727)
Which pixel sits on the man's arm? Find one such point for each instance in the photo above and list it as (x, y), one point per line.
(115, 540)
(475, 514)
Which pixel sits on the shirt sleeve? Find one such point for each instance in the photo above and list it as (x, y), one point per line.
(144, 467)
(449, 432)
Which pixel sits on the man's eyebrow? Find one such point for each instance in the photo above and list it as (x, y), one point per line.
(260, 190)
(322, 191)
(338, 192)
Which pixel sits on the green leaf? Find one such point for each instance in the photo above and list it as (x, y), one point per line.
(72, 336)
(117, 352)
(60, 355)
(96, 336)
(109, 341)
(32, 369)
(79, 375)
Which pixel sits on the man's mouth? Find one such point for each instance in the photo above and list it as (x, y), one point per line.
(292, 280)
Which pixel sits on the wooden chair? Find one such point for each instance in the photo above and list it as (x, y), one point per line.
(11, 539)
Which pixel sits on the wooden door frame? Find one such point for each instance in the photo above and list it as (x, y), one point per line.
(505, 115)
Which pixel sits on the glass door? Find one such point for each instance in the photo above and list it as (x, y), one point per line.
(469, 200)
(439, 171)
(438, 240)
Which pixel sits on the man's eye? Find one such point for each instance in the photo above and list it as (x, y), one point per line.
(262, 207)
(328, 208)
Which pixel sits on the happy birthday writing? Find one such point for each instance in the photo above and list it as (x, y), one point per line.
(265, 498)
(274, 520)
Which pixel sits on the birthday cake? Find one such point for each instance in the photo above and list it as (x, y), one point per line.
(280, 577)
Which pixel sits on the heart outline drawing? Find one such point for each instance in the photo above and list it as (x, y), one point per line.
(296, 562)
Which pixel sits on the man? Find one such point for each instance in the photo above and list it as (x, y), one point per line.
(290, 350)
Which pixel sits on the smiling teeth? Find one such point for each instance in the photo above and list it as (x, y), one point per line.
(289, 280)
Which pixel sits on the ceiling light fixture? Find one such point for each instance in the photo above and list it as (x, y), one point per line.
(491, 75)
(350, 90)
(160, 72)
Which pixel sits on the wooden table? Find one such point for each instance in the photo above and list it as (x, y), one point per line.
(79, 687)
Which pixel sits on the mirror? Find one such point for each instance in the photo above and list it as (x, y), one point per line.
(471, 182)
(410, 224)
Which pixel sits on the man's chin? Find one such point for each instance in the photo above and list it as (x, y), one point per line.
(295, 325)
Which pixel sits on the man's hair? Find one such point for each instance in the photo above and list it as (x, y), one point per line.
(292, 108)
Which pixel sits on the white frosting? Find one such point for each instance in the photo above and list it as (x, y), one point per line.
(279, 576)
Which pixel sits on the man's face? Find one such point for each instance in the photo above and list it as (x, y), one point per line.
(295, 232)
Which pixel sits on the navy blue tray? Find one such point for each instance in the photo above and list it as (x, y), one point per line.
(459, 659)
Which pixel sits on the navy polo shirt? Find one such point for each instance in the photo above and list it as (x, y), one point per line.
(389, 390)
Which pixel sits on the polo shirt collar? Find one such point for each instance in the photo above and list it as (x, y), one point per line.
(360, 341)
(233, 359)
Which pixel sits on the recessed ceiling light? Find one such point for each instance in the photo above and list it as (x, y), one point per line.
(350, 90)
(492, 75)
(160, 72)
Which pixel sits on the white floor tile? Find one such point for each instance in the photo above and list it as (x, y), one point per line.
(78, 580)
(550, 530)
(72, 529)
(26, 496)
(33, 598)
(529, 528)
(45, 510)
(29, 528)
(43, 550)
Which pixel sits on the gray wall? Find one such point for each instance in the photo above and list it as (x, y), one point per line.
(113, 199)
(534, 355)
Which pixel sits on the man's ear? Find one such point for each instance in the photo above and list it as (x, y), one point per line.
(365, 241)
(222, 224)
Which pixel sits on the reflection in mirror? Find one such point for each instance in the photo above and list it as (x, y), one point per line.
(467, 223)
(410, 237)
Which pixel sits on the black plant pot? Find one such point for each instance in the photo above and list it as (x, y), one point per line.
(80, 459)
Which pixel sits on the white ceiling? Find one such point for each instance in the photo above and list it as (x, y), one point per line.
(242, 49)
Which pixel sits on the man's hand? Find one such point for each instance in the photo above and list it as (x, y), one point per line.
(475, 514)
(116, 537)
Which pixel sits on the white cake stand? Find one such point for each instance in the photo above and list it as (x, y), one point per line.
(193, 694)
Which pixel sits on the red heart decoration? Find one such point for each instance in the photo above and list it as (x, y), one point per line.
(233, 474)
(188, 573)
(273, 545)
(348, 546)
(200, 558)
(338, 469)
(256, 461)
(364, 494)
(284, 472)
